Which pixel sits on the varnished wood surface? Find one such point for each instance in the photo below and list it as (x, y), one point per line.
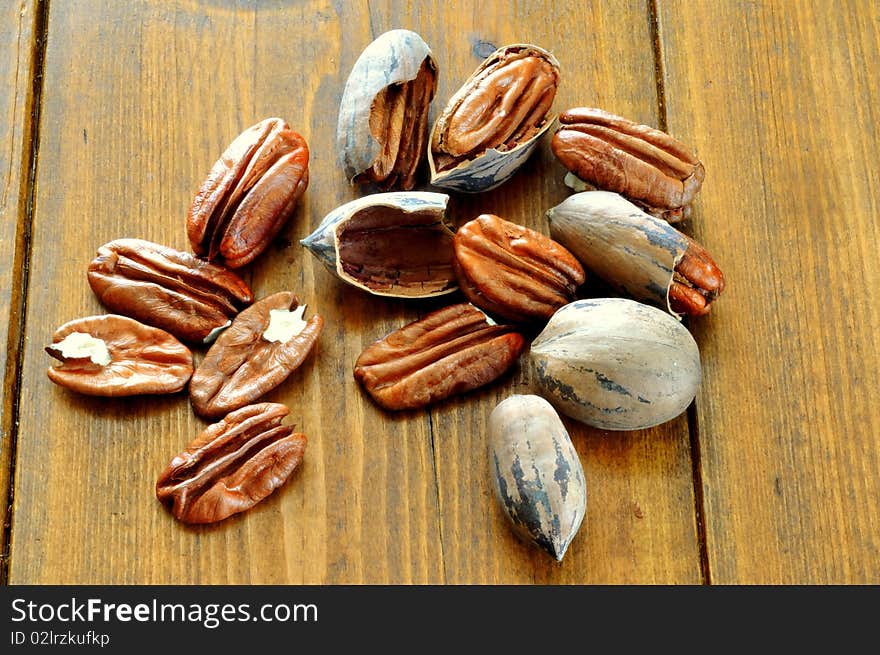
(772, 477)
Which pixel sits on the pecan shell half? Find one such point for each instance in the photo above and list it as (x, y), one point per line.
(448, 352)
(246, 361)
(513, 271)
(249, 194)
(642, 163)
(167, 288)
(112, 355)
(232, 465)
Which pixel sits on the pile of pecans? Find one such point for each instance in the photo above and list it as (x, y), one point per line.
(614, 363)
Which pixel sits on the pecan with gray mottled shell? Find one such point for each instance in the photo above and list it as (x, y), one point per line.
(389, 244)
(608, 152)
(167, 288)
(638, 253)
(448, 352)
(616, 364)
(232, 465)
(263, 346)
(495, 120)
(249, 194)
(513, 271)
(536, 473)
(382, 127)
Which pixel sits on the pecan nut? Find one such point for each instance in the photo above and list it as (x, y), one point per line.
(264, 345)
(249, 194)
(697, 281)
(383, 115)
(232, 465)
(513, 271)
(166, 288)
(112, 355)
(642, 163)
(448, 352)
(494, 121)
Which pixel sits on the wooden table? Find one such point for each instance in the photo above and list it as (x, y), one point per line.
(112, 114)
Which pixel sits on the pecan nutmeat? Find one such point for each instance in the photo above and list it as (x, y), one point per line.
(513, 271)
(247, 360)
(697, 281)
(448, 352)
(642, 163)
(112, 355)
(232, 465)
(167, 288)
(249, 194)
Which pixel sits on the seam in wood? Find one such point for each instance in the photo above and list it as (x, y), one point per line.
(21, 269)
(692, 421)
(437, 495)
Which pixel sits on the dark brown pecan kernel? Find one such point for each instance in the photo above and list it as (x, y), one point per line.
(513, 271)
(249, 194)
(644, 164)
(696, 283)
(232, 465)
(448, 352)
(252, 356)
(169, 289)
(113, 355)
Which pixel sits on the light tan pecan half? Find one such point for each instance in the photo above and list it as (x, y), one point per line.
(448, 352)
(232, 465)
(513, 271)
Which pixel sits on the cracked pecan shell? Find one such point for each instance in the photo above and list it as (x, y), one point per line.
(232, 465)
(448, 352)
(513, 271)
(249, 194)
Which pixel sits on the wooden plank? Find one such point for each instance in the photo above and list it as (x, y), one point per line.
(140, 101)
(17, 36)
(781, 101)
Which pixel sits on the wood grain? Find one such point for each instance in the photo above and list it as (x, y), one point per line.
(140, 100)
(17, 65)
(781, 101)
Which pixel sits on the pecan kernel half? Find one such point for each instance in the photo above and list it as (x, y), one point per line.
(448, 352)
(513, 271)
(640, 162)
(249, 194)
(697, 281)
(167, 288)
(232, 465)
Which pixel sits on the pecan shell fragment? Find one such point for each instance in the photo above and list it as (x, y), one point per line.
(513, 271)
(247, 360)
(232, 465)
(642, 163)
(448, 352)
(112, 355)
(249, 194)
(167, 288)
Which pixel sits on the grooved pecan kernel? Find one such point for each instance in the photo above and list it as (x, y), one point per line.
(232, 465)
(513, 271)
(697, 281)
(253, 355)
(169, 289)
(249, 194)
(448, 352)
(645, 164)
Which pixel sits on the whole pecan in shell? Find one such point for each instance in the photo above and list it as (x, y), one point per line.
(249, 194)
(448, 352)
(513, 271)
(138, 358)
(242, 365)
(167, 288)
(642, 163)
(232, 465)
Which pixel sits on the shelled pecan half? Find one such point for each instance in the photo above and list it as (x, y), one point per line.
(513, 271)
(167, 288)
(232, 465)
(249, 194)
(448, 352)
(642, 163)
